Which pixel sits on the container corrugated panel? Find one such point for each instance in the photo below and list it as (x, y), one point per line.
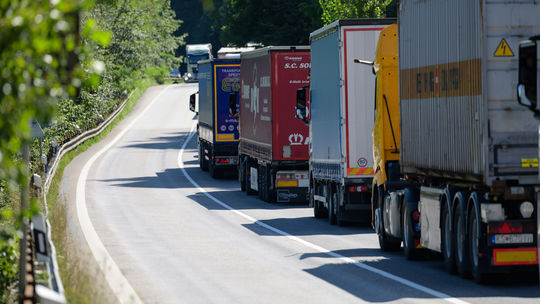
(441, 114)
(459, 115)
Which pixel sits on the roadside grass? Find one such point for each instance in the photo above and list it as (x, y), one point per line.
(80, 282)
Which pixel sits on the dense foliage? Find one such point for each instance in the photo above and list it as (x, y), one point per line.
(39, 48)
(236, 22)
(67, 63)
(124, 42)
(342, 9)
(270, 22)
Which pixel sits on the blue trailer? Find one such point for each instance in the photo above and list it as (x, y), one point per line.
(219, 83)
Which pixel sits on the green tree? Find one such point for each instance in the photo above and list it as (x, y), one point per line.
(39, 52)
(342, 9)
(270, 22)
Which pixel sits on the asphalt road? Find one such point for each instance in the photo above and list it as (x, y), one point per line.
(178, 236)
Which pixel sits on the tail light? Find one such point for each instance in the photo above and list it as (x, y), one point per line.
(222, 161)
(358, 188)
(415, 215)
(286, 176)
(505, 228)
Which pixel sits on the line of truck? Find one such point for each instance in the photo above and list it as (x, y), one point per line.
(416, 126)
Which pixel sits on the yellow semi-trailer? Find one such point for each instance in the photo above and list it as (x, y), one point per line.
(468, 151)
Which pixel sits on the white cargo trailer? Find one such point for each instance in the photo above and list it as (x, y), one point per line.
(341, 118)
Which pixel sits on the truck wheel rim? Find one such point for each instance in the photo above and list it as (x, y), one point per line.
(406, 230)
(377, 221)
(447, 235)
(460, 237)
(475, 241)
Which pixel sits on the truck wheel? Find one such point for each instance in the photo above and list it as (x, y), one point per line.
(214, 172)
(241, 174)
(339, 211)
(474, 245)
(460, 229)
(271, 193)
(448, 240)
(318, 210)
(249, 191)
(409, 245)
(386, 242)
(261, 171)
(201, 156)
(331, 206)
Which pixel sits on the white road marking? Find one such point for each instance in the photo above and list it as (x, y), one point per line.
(118, 283)
(320, 249)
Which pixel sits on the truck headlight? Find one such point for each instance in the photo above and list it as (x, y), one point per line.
(526, 209)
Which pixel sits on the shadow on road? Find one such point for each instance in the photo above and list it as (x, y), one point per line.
(167, 179)
(169, 141)
(304, 226)
(356, 280)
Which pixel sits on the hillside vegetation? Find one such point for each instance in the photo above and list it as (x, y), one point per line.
(67, 64)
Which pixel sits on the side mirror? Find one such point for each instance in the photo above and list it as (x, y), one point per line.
(192, 98)
(527, 88)
(233, 105)
(302, 111)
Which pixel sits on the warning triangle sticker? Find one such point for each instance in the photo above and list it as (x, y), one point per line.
(503, 50)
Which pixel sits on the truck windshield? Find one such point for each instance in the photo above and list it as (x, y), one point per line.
(193, 59)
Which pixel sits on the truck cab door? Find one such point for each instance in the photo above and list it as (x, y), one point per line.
(528, 79)
(192, 100)
(302, 104)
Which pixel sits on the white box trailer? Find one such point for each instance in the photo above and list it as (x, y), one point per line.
(341, 118)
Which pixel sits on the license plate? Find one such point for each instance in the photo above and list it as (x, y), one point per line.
(512, 238)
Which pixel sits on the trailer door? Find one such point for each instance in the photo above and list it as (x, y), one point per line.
(358, 42)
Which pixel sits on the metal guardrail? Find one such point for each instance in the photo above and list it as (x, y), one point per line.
(41, 239)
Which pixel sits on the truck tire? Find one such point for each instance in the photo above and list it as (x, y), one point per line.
(212, 169)
(261, 179)
(249, 191)
(460, 232)
(271, 193)
(340, 218)
(241, 174)
(331, 205)
(475, 233)
(386, 242)
(203, 155)
(409, 246)
(448, 240)
(318, 210)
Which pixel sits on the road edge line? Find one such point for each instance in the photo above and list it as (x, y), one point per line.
(320, 249)
(117, 281)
